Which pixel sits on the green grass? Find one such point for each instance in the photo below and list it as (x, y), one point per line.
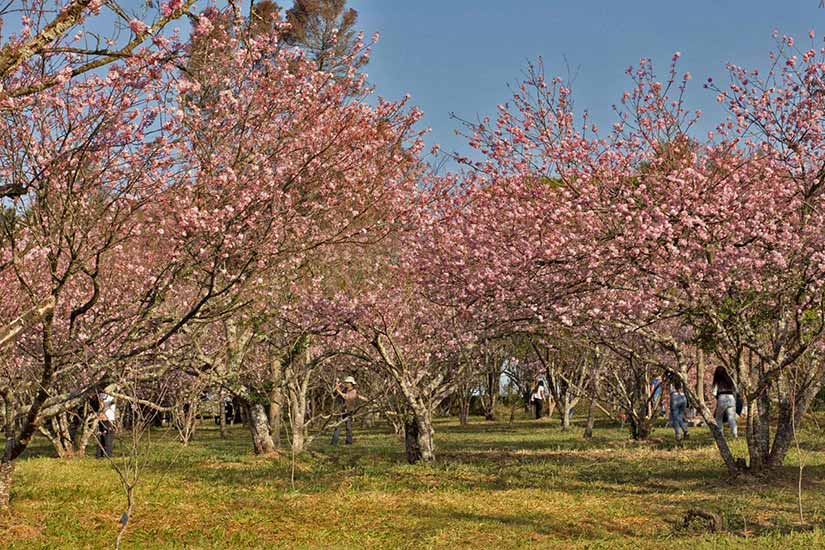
(492, 486)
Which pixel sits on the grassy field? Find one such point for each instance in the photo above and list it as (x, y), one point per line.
(529, 485)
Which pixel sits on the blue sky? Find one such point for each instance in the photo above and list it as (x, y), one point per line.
(459, 55)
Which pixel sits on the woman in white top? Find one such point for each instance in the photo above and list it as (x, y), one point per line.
(107, 414)
(539, 394)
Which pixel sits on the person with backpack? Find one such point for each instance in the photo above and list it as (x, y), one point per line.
(538, 397)
(678, 406)
(725, 391)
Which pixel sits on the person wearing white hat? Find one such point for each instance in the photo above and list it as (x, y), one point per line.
(349, 396)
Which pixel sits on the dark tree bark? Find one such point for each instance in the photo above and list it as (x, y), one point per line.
(413, 449)
(492, 387)
(640, 427)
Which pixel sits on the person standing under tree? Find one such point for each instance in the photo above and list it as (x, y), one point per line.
(348, 396)
(725, 391)
(107, 413)
(656, 391)
(539, 394)
(678, 405)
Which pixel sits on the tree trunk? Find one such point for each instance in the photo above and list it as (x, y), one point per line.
(296, 383)
(564, 412)
(422, 415)
(490, 399)
(298, 438)
(463, 411)
(784, 435)
(764, 433)
(790, 418)
(640, 426)
(700, 377)
(259, 427)
(591, 410)
(276, 397)
(57, 433)
(6, 470)
(551, 406)
(62, 432)
(297, 416)
(411, 446)
(757, 458)
(719, 438)
(70, 432)
(418, 439)
(86, 431)
(463, 395)
(222, 413)
(425, 437)
(594, 391)
(184, 418)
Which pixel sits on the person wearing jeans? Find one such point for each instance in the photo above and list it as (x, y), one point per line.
(725, 391)
(347, 419)
(678, 404)
(726, 408)
(349, 396)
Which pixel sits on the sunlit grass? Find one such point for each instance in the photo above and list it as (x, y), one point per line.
(492, 486)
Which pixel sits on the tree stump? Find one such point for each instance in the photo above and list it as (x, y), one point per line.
(711, 521)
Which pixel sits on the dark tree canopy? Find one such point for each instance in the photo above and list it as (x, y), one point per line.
(324, 28)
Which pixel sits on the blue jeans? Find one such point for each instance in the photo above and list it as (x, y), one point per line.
(678, 404)
(726, 403)
(347, 417)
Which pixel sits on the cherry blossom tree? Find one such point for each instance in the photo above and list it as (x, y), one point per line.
(315, 173)
(145, 211)
(75, 236)
(650, 231)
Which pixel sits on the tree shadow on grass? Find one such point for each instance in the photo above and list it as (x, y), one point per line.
(479, 425)
(516, 470)
(578, 527)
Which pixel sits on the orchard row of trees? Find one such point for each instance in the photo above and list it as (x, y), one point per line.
(237, 212)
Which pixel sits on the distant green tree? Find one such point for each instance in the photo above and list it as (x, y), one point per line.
(324, 28)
